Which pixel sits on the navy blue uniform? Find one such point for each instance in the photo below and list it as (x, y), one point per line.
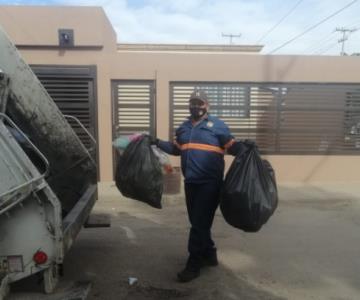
(202, 148)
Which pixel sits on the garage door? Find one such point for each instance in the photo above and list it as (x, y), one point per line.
(73, 90)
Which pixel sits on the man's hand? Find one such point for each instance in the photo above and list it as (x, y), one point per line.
(237, 148)
(153, 140)
(250, 143)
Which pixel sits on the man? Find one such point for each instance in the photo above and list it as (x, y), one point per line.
(202, 141)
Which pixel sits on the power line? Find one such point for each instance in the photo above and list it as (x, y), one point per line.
(330, 47)
(344, 37)
(354, 24)
(279, 22)
(231, 36)
(322, 50)
(313, 27)
(319, 44)
(316, 46)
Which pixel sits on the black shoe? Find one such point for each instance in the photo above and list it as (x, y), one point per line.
(210, 260)
(187, 275)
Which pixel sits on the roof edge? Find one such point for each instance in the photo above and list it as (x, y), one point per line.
(189, 47)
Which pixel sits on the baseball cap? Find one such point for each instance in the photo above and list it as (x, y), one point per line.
(199, 95)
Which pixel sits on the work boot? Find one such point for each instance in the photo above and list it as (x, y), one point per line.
(187, 274)
(210, 259)
(192, 269)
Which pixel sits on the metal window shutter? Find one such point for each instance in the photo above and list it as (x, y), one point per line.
(72, 89)
(133, 107)
(317, 119)
(231, 103)
(282, 118)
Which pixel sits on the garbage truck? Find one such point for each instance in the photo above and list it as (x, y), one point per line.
(48, 178)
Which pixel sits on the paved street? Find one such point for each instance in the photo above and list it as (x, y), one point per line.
(308, 250)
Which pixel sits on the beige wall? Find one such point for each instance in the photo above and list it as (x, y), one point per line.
(38, 25)
(220, 67)
(93, 29)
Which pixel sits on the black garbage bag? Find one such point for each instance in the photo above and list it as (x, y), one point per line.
(249, 196)
(138, 173)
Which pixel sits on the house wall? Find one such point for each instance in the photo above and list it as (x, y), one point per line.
(34, 31)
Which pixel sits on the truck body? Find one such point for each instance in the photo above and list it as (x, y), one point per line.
(48, 178)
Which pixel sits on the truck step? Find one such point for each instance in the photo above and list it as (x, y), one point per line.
(96, 220)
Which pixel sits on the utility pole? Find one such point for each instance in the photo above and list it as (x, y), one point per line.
(231, 36)
(345, 36)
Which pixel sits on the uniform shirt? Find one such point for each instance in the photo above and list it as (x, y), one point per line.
(202, 149)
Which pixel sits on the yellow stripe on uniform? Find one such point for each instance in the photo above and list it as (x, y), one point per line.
(203, 147)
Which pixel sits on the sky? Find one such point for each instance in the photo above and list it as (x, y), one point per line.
(283, 27)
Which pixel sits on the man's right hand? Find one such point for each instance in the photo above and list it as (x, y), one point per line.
(153, 140)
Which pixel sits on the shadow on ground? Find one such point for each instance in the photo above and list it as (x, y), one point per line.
(152, 253)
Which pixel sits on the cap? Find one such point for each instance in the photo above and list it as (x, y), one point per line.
(200, 95)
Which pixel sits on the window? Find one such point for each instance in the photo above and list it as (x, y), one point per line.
(282, 118)
(133, 107)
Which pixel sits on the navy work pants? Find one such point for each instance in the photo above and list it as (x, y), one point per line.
(202, 201)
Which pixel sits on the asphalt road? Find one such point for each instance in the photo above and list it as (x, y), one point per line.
(308, 250)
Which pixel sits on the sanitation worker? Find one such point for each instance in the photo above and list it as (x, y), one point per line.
(201, 141)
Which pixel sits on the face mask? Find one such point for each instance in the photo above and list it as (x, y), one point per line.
(197, 112)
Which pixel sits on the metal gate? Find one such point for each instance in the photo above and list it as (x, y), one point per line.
(73, 90)
(283, 118)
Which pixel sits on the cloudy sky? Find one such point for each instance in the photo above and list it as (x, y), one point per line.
(279, 25)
